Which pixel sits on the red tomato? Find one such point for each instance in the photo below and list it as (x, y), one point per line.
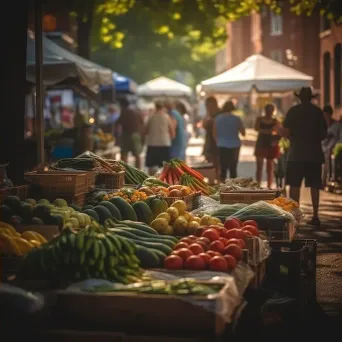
(250, 223)
(234, 250)
(231, 262)
(211, 234)
(222, 231)
(218, 264)
(180, 245)
(196, 248)
(206, 257)
(217, 246)
(231, 223)
(231, 234)
(173, 262)
(186, 240)
(242, 244)
(213, 253)
(251, 229)
(238, 222)
(223, 240)
(203, 244)
(192, 237)
(184, 253)
(233, 242)
(203, 239)
(241, 234)
(200, 230)
(247, 232)
(194, 262)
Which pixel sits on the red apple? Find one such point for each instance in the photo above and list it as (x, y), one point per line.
(206, 257)
(196, 248)
(195, 262)
(233, 242)
(213, 253)
(203, 239)
(223, 240)
(240, 234)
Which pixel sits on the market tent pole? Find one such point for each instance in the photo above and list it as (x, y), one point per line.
(38, 13)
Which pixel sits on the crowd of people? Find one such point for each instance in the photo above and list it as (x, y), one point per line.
(311, 134)
(164, 132)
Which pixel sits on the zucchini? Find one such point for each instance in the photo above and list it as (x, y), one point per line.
(137, 225)
(143, 212)
(147, 257)
(126, 210)
(160, 246)
(145, 234)
(131, 235)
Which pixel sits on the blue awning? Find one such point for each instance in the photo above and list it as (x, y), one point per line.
(122, 84)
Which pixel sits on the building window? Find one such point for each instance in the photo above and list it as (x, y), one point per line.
(337, 74)
(277, 55)
(326, 77)
(276, 24)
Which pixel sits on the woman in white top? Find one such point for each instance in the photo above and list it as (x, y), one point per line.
(159, 133)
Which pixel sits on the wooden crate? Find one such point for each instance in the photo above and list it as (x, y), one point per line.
(19, 191)
(191, 200)
(63, 182)
(110, 180)
(144, 314)
(246, 197)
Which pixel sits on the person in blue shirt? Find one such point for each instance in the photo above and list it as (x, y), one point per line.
(226, 130)
(179, 142)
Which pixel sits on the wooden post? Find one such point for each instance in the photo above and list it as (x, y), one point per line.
(38, 13)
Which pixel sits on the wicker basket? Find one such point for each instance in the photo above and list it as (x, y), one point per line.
(19, 191)
(63, 182)
(71, 198)
(110, 180)
(191, 200)
(246, 197)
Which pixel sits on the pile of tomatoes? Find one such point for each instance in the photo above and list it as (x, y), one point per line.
(213, 247)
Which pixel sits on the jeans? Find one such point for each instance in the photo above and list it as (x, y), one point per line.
(229, 158)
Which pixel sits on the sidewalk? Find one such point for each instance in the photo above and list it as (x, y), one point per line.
(329, 253)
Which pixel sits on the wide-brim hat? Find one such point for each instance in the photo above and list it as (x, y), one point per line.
(306, 92)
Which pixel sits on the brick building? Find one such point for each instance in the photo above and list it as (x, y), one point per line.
(331, 63)
(286, 38)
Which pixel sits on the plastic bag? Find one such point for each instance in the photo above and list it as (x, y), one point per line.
(210, 206)
(262, 209)
(14, 300)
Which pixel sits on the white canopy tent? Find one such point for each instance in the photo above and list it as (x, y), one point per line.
(163, 86)
(260, 73)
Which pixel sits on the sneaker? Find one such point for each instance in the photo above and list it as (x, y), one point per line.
(314, 222)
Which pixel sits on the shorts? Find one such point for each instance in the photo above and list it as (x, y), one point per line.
(156, 155)
(310, 171)
(267, 152)
(131, 143)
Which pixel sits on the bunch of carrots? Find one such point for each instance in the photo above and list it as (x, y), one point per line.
(177, 172)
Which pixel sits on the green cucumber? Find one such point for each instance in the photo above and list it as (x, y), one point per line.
(147, 257)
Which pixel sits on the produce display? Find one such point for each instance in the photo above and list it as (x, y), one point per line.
(42, 212)
(178, 172)
(13, 243)
(132, 174)
(284, 203)
(91, 252)
(131, 195)
(181, 287)
(214, 247)
(176, 220)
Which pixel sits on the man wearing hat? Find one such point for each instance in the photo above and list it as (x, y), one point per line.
(306, 128)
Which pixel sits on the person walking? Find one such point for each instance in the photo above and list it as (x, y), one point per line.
(306, 128)
(226, 130)
(178, 144)
(210, 149)
(266, 146)
(159, 132)
(131, 130)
